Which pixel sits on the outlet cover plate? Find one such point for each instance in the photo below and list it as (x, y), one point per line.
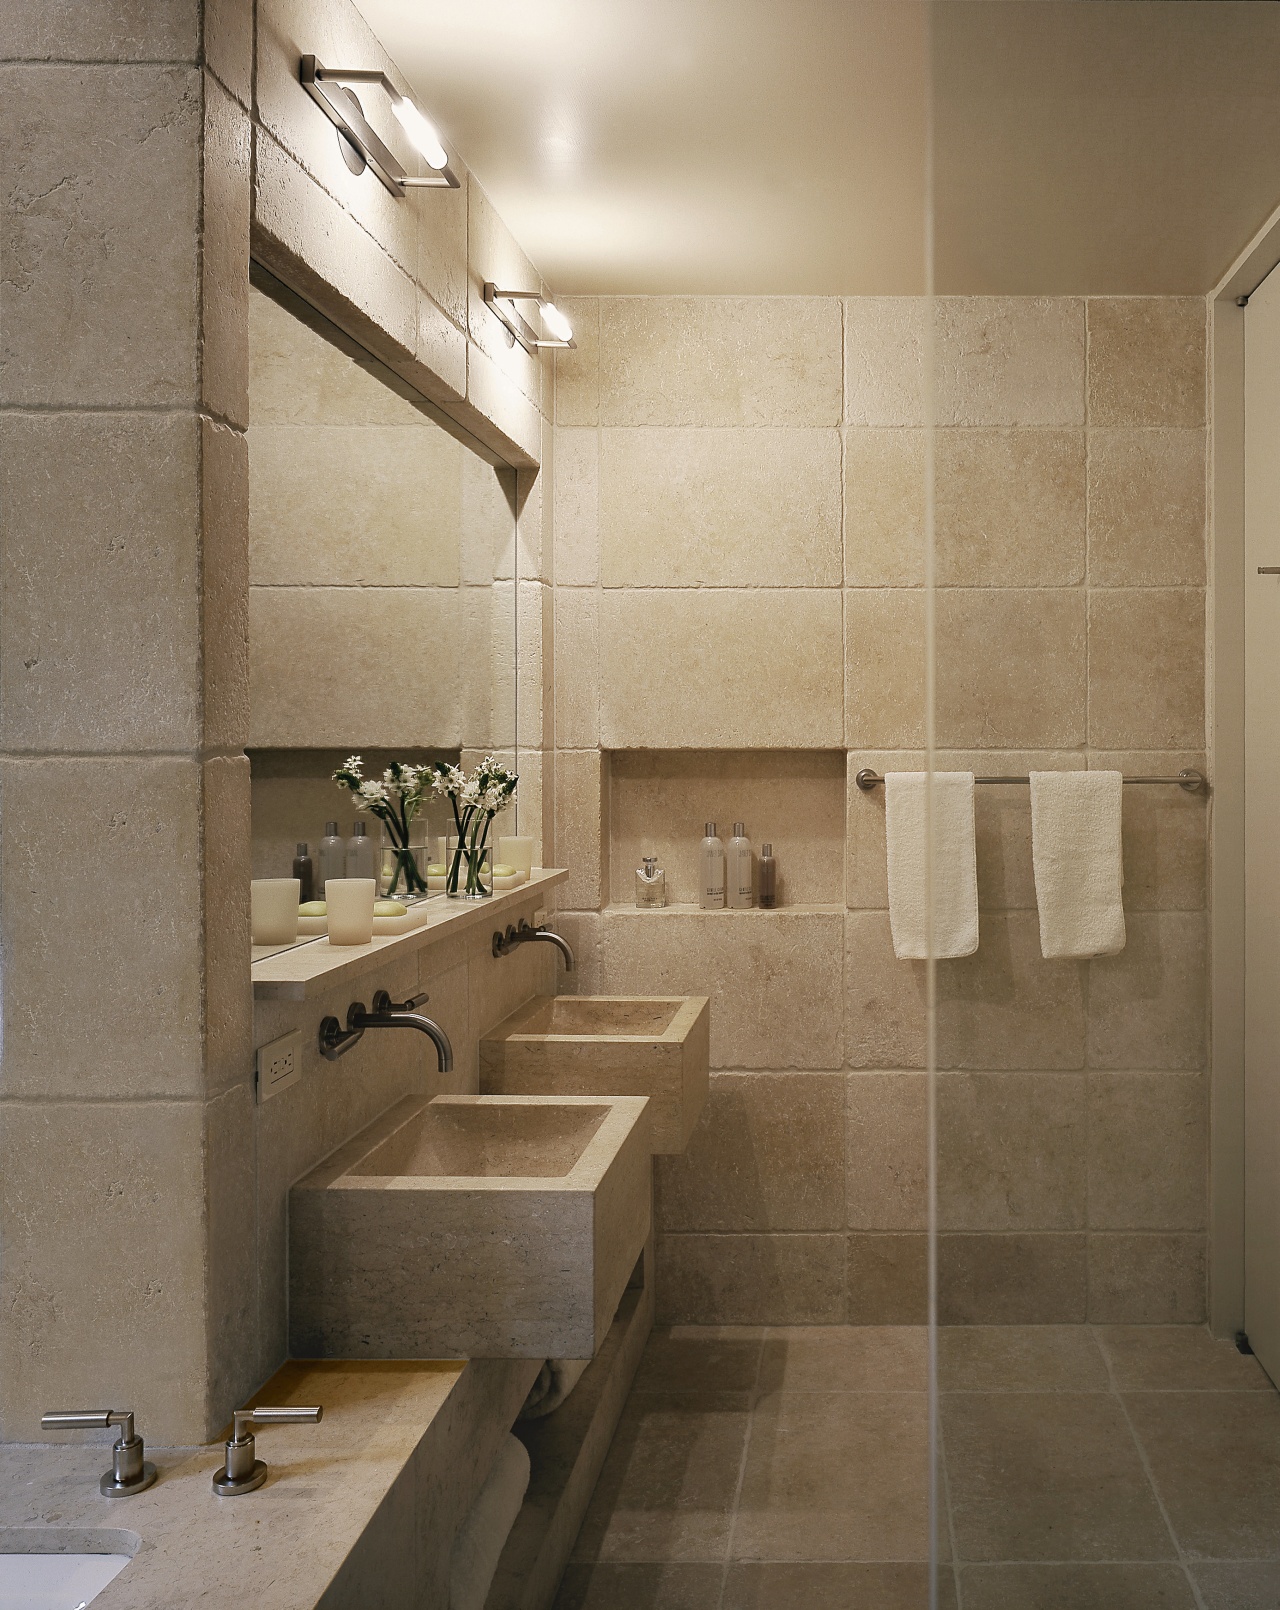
(279, 1065)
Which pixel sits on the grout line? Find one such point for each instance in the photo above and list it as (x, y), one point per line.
(752, 1399)
(1147, 1471)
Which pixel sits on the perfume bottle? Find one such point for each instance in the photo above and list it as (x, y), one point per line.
(651, 883)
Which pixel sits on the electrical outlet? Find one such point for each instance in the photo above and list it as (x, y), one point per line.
(279, 1064)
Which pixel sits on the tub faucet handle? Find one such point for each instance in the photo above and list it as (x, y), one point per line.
(243, 1471)
(130, 1473)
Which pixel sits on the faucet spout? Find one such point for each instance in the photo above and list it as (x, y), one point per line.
(526, 933)
(386, 1014)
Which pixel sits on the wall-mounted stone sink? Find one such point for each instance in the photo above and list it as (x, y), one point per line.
(471, 1227)
(608, 1045)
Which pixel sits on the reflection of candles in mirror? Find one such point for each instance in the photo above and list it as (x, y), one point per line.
(517, 852)
(273, 910)
(350, 903)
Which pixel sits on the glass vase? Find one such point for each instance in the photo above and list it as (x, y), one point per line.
(470, 873)
(403, 872)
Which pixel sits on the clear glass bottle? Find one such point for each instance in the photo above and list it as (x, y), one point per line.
(738, 888)
(331, 862)
(651, 883)
(768, 878)
(362, 853)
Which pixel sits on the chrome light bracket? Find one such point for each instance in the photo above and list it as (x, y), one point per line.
(516, 325)
(325, 86)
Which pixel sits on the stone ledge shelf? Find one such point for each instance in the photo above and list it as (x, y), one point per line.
(309, 970)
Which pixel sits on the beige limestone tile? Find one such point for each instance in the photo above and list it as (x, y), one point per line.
(231, 1255)
(1012, 668)
(336, 505)
(885, 494)
(582, 930)
(533, 670)
(1147, 1003)
(887, 1151)
(1005, 1007)
(494, 254)
(448, 1003)
(1011, 1151)
(224, 261)
(1178, 1358)
(123, 836)
(1147, 1279)
(835, 1476)
(888, 1279)
(1148, 1151)
(1236, 1584)
(577, 506)
(577, 668)
(228, 46)
(1020, 1358)
(1147, 360)
(885, 1005)
(1164, 831)
(732, 507)
(498, 985)
(1077, 1587)
(226, 820)
(310, 650)
(886, 342)
(99, 609)
(1213, 1461)
(766, 1154)
(884, 668)
(638, 1586)
(1009, 360)
(577, 368)
(1048, 1476)
(99, 270)
(667, 1489)
(103, 1217)
(1026, 1278)
(1146, 508)
(582, 804)
(845, 1358)
(442, 248)
(828, 1585)
(751, 1279)
(1146, 668)
(534, 515)
(701, 1358)
(761, 969)
(1009, 508)
(488, 515)
(119, 31)
(720, 360)
(224, 585)
(721, 669)
(791, 799)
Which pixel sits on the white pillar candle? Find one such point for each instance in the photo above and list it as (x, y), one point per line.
(273, 910)
(350, 903)
(516, 852)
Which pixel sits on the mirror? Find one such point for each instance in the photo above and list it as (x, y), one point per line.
(381, 593)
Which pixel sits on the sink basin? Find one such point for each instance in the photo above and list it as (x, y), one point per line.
(608, 1045)
(471, 1227)
(49, 1568)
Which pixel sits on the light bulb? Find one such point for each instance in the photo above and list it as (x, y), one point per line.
(421, 132)
(556, 322)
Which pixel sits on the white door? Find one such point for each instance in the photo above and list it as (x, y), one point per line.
(1262, 823)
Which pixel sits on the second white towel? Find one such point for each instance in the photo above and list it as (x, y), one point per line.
(908, 807)
(1075, 845)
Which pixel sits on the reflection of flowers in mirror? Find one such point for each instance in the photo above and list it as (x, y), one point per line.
(395, 800)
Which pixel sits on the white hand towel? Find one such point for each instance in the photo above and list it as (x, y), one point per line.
(483, 1534)
(556, 1379)
(907, 811)
(1075, 844)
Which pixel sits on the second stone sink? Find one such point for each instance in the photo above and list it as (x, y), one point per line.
(472, 1227)
(607, 1045)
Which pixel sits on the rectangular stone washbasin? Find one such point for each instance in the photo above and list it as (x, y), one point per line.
(471, 1227)
(608, 1045)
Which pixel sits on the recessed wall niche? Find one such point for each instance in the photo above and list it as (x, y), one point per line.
(794, 799)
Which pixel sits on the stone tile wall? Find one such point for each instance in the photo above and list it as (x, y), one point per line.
(740, 504)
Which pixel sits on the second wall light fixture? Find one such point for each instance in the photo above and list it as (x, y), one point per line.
(327, 88)
(556, 329)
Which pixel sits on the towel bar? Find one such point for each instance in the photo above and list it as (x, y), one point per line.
(1189, 779)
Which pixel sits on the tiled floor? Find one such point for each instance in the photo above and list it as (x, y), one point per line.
(1084, 1468)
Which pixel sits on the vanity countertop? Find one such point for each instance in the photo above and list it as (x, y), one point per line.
(305, 970)
(280, 1548)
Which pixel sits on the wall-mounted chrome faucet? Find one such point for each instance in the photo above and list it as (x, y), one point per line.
(243, 1471)
(504, 944)
(335, 1041)
(130, 1473)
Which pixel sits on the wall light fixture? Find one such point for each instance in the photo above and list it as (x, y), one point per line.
(558, 332)
(327, 88)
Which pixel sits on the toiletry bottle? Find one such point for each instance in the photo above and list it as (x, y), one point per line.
(304, 869)
(651, 883)
(768, 878)
(711, 871)
(737, 872)
(331, 862)
(362, 857)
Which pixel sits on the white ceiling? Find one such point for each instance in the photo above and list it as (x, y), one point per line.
(771, 146)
